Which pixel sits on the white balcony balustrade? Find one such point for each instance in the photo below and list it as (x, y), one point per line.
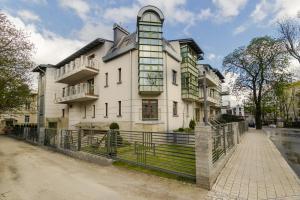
(77, 93)
(212, 79)
(76, 70)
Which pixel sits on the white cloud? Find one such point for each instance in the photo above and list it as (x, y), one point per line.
(36, 1)
(49, 47)
(93, 30)
(211, 56)
(204, 14)
(81, 7)
(239, 29)
(261, 11)
(275, 10)
(121, 14)
(229, 8)
(27, 15)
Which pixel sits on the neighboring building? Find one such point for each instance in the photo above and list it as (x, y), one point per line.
(139, 80)
(214, 80)
(25, 115)
(237, 110)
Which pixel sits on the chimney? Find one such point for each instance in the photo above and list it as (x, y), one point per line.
(119, 32)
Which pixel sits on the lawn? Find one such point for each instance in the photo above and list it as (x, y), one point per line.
(168, 158)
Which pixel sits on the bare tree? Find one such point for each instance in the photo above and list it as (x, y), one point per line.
(257, 66)
(15, 63)
(289, 30)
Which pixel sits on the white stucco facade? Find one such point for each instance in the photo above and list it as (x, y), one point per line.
(85, 90)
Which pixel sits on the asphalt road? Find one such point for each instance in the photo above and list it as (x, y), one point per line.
(29, 172)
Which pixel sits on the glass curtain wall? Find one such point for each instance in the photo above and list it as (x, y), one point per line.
(189, 73)
(150, 53)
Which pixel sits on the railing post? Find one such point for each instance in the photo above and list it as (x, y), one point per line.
(203, 154)
(79, 140)
(224, 138)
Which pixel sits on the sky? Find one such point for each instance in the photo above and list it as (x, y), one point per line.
(60, 27)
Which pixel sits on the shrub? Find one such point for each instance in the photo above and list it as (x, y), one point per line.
(192, 124)
(180, 130)
(114, 125)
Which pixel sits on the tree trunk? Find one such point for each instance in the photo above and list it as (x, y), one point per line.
(258, 121)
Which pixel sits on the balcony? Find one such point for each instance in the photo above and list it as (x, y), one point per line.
(77, 93)
(212, 80)
(210, 100)
(81, 68)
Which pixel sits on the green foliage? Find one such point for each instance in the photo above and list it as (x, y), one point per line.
(257, 67)
(15, 64)
(184, 130)
(114, 125)
(192, 124)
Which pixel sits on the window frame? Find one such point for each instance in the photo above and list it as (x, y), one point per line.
(119, 75)
(174, 77)
(106, 79)
(94, 111)
(175, 109)
(152, 115)
(106, 110)
(119, 109)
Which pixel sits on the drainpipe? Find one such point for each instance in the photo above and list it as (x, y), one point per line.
(205, 100)
(131, 91)
(167, 96)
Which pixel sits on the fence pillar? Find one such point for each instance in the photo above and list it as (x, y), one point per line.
(59, 144)
(203, 153)
(79, 140)
(41, 135)
(236, 132)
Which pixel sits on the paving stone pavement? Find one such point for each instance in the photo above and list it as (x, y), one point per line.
(256, 170)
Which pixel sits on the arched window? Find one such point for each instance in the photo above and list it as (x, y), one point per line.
(150, 17)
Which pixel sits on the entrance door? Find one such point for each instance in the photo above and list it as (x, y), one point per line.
(197, 113)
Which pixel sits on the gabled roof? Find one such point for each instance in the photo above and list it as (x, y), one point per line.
(216, 71)
(83, 50)
(191, 42)
(41, 68)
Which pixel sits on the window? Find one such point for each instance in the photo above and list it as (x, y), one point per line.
(175, 104)
(26, 120)
(91, 60)
(84, 112)
(150, 109)
(106, 110)
(63, 112)
(120, 75)
(174, 77)
(120, 109)
(91, 86)
(27, 105)
(94, 111)
(106, 79)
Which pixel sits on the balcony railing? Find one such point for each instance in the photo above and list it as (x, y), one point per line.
(211, 78)
(76, 93)
(211, 98)
(77, 70)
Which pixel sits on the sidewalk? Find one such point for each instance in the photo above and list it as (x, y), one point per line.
(256, 171)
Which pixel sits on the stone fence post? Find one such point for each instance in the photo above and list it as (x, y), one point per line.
(236, 132)
(203, 153)
(41, 135)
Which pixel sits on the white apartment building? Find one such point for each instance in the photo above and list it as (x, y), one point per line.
(140, 80)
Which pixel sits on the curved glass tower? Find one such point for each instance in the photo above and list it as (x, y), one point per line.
(149, 32)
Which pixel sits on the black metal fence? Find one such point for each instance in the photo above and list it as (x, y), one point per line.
(24, 131)
(223, 140)
(50, 137)
(172, 153)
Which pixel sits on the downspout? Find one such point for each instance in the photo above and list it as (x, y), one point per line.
(167, 96)
(131, 91)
